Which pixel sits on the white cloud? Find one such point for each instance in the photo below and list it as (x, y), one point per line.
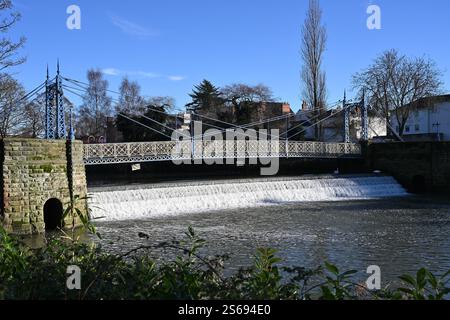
(132, 28)
(176, 78)
(111, 72)
(144, 74)
(118, 72)
(140, 73)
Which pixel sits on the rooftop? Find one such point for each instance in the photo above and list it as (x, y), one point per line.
(429, 101)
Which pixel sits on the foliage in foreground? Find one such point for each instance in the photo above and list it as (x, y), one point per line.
(41, 274)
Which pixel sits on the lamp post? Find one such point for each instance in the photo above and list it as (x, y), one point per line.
(437, 125)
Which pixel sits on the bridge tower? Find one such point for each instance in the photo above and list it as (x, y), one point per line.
(55, 113)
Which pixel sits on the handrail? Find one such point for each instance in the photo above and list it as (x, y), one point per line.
(182, 150)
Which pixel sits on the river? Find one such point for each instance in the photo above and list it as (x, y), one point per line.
(352, 221)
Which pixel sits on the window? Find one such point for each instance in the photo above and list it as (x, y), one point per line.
(407, 129)
(397, 129)
(417, 128)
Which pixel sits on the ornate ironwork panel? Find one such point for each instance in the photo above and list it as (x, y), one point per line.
(50, 116)
(182, 150)
(61, 132)
(55, 115)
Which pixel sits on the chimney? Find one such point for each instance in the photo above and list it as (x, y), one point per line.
(304, 106)
(286, 108)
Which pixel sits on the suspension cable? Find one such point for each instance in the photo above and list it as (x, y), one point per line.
(316, 123)
(31, 93)
(141, 124)
(83, 87)
(26, 97)
(136, 121)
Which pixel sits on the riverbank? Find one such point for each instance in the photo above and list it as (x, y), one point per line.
(72, 270)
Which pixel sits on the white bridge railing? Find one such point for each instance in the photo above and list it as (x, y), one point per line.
(111, 153)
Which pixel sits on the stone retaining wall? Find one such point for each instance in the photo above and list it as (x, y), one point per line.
(34, 171)
(420, 166)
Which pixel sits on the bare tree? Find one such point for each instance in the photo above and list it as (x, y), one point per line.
(161, 101)
(130, 99)
(375, 81)
(246, 102)
(11, 106)
(8, 48)
(168, 103)
(34, 114)
(394, 83)
(314, 37)
(96, 108)
(244, 92)
(11, 91)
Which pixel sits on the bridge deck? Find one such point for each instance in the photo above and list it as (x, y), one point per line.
(96, 154)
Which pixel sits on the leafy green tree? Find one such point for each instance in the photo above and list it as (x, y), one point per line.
(206, 98)
(207, 101)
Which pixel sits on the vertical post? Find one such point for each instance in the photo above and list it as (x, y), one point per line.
(71, 130)
(364, 118)
(70, 179)
(57, 94)
(346, 120)
(192, 135)
(286, 136)
(287, 127)
(47, 108)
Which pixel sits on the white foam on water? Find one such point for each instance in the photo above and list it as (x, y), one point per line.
(151, 201)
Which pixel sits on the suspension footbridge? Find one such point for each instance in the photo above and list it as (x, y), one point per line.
(113, 153)
(199, 146)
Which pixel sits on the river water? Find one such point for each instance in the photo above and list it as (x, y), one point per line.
(353, 221)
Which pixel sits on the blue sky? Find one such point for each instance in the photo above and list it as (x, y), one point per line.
(169, 46)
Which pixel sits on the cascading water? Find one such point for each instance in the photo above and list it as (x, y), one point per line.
(149, 201)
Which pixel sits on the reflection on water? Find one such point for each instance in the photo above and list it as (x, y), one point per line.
(40, 241)
(398, 234)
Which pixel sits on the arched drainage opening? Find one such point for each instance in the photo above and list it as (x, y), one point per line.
(53, 212)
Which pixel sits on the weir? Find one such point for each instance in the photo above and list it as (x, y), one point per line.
(152, 201)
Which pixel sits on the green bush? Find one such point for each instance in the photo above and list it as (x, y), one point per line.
(41, 274)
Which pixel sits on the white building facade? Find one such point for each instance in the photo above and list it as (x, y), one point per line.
(429, 120)
(333, 128)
